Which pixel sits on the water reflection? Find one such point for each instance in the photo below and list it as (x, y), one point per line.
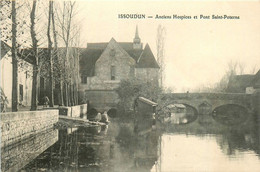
(179, 114)
(184, 152)
(108, 148)
(230, 114)
(16, 156)
(205, 145)
(117, 147)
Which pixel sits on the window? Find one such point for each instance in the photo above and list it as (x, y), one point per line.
(112, 52)
(20, 93)
(113, 71)
(84, 79)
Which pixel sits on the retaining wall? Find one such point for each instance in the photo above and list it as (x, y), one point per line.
(16, 156)
(74, 111)
(16, 126)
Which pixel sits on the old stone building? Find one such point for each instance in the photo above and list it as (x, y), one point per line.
(25, 69)
(104, 65)
(244, 83)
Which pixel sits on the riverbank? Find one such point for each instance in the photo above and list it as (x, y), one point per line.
(16, 126)
(66, 122)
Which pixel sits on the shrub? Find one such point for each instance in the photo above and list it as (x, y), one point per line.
(129, 90)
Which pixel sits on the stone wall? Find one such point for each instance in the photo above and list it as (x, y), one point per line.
(65, 111)
(123, 65)
(16, 156)
(24, 80)
(83, 109)
(102, 100)
(227, 96)
(74, 111)
(256, 102)
(147, 74)
(212, 99)
(19, 125)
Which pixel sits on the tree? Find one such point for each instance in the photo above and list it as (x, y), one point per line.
(6, 25)
(14, 60)
(51, 97)
(14, 26)
(34, 101)
(131, 89)
(253, 70)
(66, 11)
(160, 41)
(233, 68)
(241, 68)
(57, 57)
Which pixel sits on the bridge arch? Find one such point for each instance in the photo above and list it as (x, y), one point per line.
(92, 113)
(230, 114)
(181, 117)
(194, 108)
(230, 104)
(112, 113)
(186, 103)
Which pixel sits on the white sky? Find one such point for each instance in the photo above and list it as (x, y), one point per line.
(197, 51)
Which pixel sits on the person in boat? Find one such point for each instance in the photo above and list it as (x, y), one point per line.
(104, 117)
(98, 117)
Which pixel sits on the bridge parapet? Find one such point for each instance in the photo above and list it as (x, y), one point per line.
(212, 100)
(209, 95)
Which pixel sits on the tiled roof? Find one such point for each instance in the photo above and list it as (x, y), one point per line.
(27, 55)
(147, 60)
(101, 45)
(4, 49)
(94, 50)
(127, 46)
(88, 60)
(256, 81)
(238, 83)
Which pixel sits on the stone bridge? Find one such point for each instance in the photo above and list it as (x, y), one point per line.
(210, 101)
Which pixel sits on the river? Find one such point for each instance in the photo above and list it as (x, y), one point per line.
(195, 146)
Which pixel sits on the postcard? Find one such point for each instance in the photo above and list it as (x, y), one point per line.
(130, 86)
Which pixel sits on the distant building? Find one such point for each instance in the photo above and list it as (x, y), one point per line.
(104, 65)
(25, 68)
(244, 83)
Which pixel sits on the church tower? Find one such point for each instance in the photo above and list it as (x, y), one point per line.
(137, 41)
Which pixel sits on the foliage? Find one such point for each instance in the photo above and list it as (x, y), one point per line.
(129, 90)
(232, 68)
(31, 21)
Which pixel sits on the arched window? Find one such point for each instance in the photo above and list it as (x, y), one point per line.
(113, 73)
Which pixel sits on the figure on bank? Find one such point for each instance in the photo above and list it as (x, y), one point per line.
(46, 101)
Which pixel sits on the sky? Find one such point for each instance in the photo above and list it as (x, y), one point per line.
(197, 51)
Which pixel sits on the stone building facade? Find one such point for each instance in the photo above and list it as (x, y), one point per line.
(25, 69)
(244, 83)
(104, 65)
